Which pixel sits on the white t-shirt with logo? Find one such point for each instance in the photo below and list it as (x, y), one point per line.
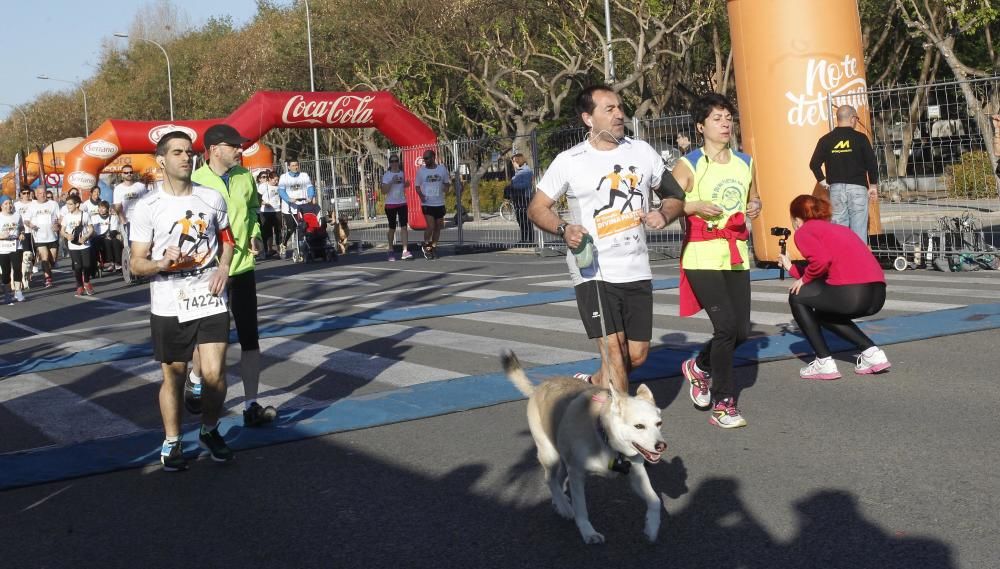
(606, 191)
(297, 188)
(102, 225)
(128, 195)
(10, 228)
(270, 201)
(190, 222)
(44, 218)
(70, 221)
(20, 206)
(431, 182)
(90, 207)
(397, 191)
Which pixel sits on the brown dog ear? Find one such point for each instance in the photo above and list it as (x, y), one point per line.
(644, 393)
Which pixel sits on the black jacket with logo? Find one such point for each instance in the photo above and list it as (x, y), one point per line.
(847, 157)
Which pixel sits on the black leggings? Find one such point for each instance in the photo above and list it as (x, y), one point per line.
(81, 265)
(290, 224)
(10, 264)
(270, 229)
(725, 295)
(819, 305)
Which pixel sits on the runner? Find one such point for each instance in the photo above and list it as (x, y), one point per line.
(42, 220)
(126, 194)
(11, 251)
(76, 230)
(235, 184)
(432, 183)
(394, 186)
(612, 278)
(187, 295)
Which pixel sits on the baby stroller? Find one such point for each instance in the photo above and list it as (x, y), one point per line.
(314, 243)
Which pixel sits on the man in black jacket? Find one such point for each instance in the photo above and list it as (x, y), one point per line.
(851, 171)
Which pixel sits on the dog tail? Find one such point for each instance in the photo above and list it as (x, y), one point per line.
(515, 373)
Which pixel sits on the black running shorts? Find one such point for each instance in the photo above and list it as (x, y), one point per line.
(243, 303)
(435, 211)
(175, 342)
(628, 307)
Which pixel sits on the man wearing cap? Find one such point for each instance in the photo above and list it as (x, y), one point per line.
(223, 173)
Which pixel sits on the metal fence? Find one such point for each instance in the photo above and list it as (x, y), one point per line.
(478, 214)
(938, 203)
(938, 195)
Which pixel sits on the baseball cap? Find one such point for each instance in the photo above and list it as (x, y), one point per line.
(224, 134)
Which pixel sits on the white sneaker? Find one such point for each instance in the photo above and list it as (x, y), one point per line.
(19, 296)
(818, 370)
(873, 363)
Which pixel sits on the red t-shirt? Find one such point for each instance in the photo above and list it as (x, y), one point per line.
(835, 254)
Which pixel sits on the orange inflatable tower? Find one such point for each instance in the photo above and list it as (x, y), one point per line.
(791, 57)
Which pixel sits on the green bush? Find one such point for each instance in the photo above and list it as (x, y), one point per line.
(972, 177)
(490, 197)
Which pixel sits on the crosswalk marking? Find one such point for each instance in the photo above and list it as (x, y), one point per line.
(894, 289)
(60, 414)
(355, 364)
(485, 293)
(890, 304)
(561, 325)
(470, 343)
(149, 371)
(666, 309)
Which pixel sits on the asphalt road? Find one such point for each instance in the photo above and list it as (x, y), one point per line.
(895, 470)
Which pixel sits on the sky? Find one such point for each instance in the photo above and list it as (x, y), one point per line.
(62, 39)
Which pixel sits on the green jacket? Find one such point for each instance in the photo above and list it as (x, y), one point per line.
(243, 203)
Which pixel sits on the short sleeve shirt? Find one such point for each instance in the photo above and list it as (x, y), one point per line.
(10, 228)
(396, 194)
(191, 223)
(431, 182)
(70, 222)
(607, 191)
(127, 196)
(44, 217)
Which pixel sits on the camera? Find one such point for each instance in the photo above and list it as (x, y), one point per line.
(782, 232)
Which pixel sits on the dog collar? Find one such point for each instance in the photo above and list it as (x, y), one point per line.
(619, 463)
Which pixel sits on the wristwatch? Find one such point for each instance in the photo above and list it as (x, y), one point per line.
(561, 230)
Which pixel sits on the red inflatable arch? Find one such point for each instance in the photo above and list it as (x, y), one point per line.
(254, 118)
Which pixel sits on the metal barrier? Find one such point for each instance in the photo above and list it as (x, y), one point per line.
(938, 195)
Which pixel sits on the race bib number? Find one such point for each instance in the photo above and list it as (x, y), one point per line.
(7, 246)
(194, 300)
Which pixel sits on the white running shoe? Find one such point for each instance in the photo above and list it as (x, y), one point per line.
(874, 363)
(818, 370)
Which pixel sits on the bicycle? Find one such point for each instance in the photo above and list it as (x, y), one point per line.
(506, 211)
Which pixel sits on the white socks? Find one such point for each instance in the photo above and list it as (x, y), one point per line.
(194, 378)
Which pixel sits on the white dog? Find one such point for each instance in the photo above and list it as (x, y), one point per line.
(579, 428)
(27, 265)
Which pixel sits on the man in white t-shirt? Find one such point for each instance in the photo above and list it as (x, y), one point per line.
(187, 290)
(42, 219)
(126, 194)
(294, 188)
(394, 185)
(432, 183)
(614, 290)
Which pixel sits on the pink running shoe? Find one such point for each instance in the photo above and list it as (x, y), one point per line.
(701, 384)
(818, 370)
(875, 363)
